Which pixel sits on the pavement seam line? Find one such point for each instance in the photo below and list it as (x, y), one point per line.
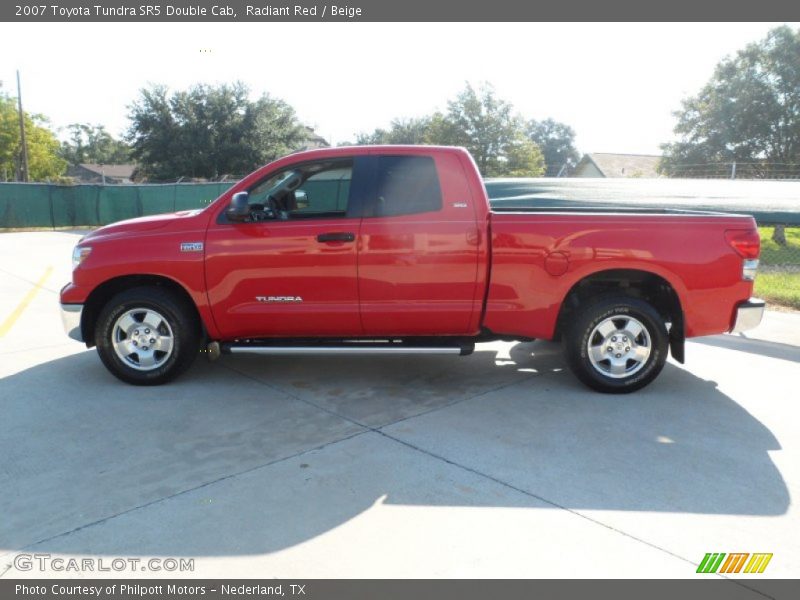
(185, 491)
(6, 326)
(454, 403)
(295, 397)
(468, 398)
(559, 506)
(28, 281)
(401, 419)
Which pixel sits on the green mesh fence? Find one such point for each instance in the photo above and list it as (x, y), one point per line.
(43, 205)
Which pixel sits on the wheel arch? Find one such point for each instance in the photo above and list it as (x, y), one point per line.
(643, 284)
(100, 296)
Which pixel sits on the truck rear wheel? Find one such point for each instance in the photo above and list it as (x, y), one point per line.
(147, 335)
(616, 344)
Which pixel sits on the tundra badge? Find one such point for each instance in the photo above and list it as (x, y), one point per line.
(278, 299)
(191, 246)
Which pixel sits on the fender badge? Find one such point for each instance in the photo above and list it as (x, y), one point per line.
(278, 299)
(191, 246)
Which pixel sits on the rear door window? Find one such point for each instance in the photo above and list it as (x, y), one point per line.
(406, 185)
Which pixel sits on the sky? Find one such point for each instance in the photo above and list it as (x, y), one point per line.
(617, 85)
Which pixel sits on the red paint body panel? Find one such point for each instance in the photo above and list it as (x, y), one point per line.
(690, 252)
(418, 274)
(146, 246)
(245, 261)
(424, 274)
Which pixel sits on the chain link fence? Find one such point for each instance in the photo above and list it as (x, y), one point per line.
(735, 170)
(778, 279)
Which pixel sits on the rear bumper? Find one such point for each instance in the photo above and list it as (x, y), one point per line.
(748, 315)
(71, 318)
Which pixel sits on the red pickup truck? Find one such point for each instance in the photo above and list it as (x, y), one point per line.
(395, 249)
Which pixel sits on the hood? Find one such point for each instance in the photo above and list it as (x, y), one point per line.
(141, 224)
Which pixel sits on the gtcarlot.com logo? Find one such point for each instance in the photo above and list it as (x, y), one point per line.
(734, 562)
(46, 562)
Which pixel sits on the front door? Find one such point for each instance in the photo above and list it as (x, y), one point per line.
(290, 270)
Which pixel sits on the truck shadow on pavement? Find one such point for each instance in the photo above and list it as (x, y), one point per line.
(251, 455)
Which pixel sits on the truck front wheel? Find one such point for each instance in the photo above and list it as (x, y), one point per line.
(147, 335)
(616, 344)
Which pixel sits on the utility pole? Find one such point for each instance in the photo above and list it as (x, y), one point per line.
(24, 167)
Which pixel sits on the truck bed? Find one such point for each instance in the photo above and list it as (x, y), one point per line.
(540, 252)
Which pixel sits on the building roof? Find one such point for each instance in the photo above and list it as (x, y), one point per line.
(116, 171)
(314, 137)
(312, 141)
(622, 165)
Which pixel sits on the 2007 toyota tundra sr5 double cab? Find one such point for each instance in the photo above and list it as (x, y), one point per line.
(395, 249)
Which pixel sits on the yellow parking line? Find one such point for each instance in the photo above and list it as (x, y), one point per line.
(12, 318)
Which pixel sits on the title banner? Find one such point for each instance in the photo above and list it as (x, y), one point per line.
(397, 10)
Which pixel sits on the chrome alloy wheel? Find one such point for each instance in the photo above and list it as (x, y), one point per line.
(619, 346)
(142, 339)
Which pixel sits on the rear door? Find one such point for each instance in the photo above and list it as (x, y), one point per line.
(419, 246)
(291, 271)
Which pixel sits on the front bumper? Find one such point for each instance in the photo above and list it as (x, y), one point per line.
(748, 315)
(71, 318)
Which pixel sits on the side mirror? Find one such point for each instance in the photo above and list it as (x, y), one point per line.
(239, 209)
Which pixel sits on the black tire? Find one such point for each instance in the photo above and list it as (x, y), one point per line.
(631, 373)
(178, 323)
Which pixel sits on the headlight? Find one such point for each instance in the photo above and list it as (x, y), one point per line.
(79, 253)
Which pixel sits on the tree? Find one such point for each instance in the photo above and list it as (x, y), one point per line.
(484, 124)
(523, 159)
(748, 112)
(557, 142)
(44, 161)
(93, 144)
(209, 131)
(402, 131)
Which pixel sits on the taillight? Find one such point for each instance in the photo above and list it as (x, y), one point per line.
(745, 241)
(747, 244)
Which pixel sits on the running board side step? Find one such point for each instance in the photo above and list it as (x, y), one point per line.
(355, 348)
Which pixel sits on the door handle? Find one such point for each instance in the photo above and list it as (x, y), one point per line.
(336, 236)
